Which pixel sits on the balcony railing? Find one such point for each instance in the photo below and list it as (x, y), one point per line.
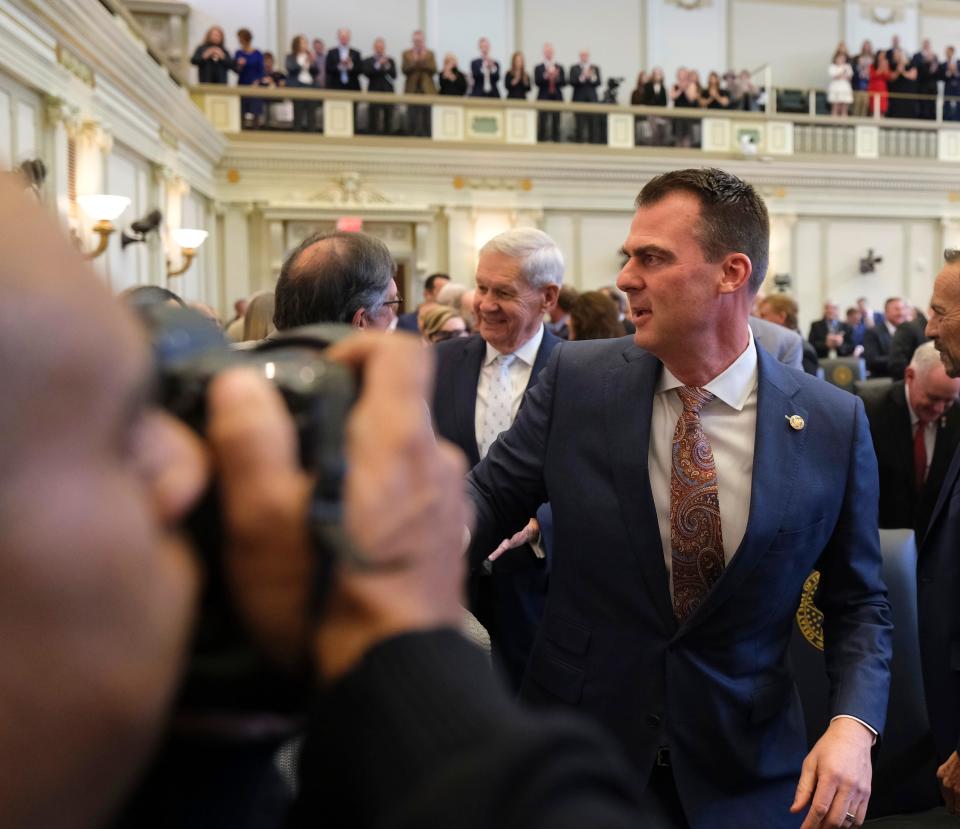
(492, 121)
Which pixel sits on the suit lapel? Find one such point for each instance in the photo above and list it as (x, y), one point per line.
(628, 405)
(946, 490)
(466, 373)
(547, 344)
(777, 451)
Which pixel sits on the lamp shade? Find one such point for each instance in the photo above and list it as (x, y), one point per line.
(188, 237)
(102, 208)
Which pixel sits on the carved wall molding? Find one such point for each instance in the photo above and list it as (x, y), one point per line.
(349, 189)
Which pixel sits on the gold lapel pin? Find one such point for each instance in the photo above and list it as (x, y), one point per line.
(796, 422)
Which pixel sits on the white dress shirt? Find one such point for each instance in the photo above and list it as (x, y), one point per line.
(730, 424)
(929, 432)
(520, 371)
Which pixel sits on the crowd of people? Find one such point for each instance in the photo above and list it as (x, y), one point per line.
(893, 82)
(669, 490)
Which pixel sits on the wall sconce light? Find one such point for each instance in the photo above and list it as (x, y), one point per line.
(103, 210)
(140, 228)
(188, 240)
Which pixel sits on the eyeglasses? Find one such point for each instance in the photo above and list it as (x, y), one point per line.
(395, 302)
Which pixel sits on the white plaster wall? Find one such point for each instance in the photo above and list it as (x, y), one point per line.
(943, 31)
(798, 41)
(601, 238)
(20, 136)
(695, 38)
(861, 26)
(615, 41)
(195, 285)
(456, 26)
(127, 174)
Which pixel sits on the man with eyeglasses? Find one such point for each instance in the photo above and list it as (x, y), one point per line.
(338, 277)
(481, 381)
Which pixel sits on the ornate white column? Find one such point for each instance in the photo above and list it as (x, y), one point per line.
(63, 122)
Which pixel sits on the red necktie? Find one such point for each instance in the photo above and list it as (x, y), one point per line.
(696, 540)
(552, 84)
(919, 456)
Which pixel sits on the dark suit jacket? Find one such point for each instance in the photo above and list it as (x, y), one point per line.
(584, 90)
(381, 80)
(333, 74)
(543, 85)
(510, 603)
(909, 337)
(889, 417)
(476, 69)
(876, 350)
(408, 322)
(938, 585)
(818, 338)
(652, 98)
(719, 685)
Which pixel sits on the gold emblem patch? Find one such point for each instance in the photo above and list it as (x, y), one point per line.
(809, 617)
(842, 376)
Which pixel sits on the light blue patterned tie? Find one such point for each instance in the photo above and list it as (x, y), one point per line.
(499, 413)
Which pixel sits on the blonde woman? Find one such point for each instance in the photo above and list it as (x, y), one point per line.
(442, 323)
(258, 321)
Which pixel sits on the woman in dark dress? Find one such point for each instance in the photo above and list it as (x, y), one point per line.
(452, 80)
(714, 96)
(655, 95)
(688, 94)
(301, 71)
(903, 81)
(249, 67)
(517, 80)
(211, 58)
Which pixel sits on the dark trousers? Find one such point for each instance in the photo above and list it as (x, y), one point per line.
(381, 119)
(588, 128)
(548, 126)
(418, 121)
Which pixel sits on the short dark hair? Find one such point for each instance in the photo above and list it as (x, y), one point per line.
(733, 218)
(431, 280)
(595, 317)
(244, 34)
(352, 272)
(892, 299)
(566, 298)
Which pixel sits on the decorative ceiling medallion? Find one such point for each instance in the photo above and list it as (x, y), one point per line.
(691, 5)
(883, 14)
(349, 189)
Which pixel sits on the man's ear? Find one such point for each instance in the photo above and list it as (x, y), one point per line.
(360, 319)
(550, 294)
(737, 269)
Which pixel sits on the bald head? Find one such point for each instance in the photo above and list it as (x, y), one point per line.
(336, 277)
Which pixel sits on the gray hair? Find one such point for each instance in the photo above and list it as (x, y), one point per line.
(450, 294)
(541, 260)
(352, 271)
(925, 358)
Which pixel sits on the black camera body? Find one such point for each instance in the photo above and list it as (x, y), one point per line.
(228, 679)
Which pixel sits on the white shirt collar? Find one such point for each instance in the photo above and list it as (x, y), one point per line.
(733, 386)
(890, 327)
(526, 353)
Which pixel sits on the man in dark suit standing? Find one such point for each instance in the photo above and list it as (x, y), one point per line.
(485, 72)
(829, 336)
(909, 337)
(480, 385)
(938, 564)
(431, 287)
(916, 429)
(585, 78)
(877, 340)
(381, 70)
(343, 64)
(550, 80)
(694, 483)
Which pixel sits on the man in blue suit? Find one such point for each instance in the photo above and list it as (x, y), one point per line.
(694, 484)
(485, 72)
(480, 384)
(938, 562)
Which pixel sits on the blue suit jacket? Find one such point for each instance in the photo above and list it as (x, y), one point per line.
(938, 589)
(720, 685)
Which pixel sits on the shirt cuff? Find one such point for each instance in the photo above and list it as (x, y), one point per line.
(869, 728)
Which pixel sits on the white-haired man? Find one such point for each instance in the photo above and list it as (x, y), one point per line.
(480, 384)
(916, 429)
